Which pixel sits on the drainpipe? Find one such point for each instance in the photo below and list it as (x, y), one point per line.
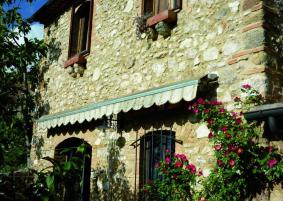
(271, 115)
(275, 126)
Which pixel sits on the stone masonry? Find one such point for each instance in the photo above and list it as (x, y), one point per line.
(235, 39)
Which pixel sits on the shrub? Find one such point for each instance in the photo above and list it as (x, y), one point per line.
(176, 179)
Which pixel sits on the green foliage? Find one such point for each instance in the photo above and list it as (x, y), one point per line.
(177, 178)
(19, 76)
(49, 183)
(243, 167)
(12, 145)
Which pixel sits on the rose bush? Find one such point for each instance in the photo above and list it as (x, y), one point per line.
(243, 166)
(176, 179)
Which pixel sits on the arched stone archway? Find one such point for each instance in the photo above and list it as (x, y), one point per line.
(76, 185)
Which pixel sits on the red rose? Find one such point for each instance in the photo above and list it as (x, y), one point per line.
(232, 162)
(217, 147)
(210, 135)
(221, 110)
(167, 160)
(238, 121)
(219, 162)
(174, 176)
(178, 164)
(228, 136)
(271, 163)
(201, 101)
(195, 110)
(192, 168)
(224, 129)
(210, 121)
(246, 86)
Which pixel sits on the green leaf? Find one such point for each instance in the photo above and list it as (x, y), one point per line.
(50, 182)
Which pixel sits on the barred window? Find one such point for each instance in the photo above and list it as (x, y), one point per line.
(152, 150)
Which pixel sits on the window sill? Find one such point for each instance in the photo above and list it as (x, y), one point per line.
(168, 16)
(77, 59)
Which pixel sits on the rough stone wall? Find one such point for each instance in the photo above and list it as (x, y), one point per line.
(226, 37)
(210, 36)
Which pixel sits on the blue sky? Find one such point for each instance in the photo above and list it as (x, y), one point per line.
(27, 10)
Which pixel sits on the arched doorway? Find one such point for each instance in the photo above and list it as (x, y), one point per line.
(75, 154)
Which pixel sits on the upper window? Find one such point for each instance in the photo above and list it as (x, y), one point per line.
(154, 7)
(80, 33)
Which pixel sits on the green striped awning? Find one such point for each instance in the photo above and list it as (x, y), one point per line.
(173, 93)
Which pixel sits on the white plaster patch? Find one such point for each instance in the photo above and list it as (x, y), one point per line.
(206, 150)
(186, 43)
(102, 152)
(96, 74)
(203, 46)
(129, 6)
(234, 6)
(206, 172)
(221, 64)
(125, 84)
(210, 36)
(230, 47)
(219, 30)
(227, 97)
(191, 53)
(99, 184)
(196, 61)
(210, 54)
(97, 141)
(194, 150)
(202, 131)
(137, 78)
(158, 69)
(200, 160)
(172, 64)
(182, 66)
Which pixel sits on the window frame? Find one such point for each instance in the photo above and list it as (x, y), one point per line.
(149, 137)
(88, 38)
(177, 3)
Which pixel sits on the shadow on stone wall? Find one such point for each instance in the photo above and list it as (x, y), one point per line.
(110, 182)
(273, 15)
(76, 128)
(54, 51)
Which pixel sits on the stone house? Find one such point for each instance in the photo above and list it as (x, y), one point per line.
(105, 82)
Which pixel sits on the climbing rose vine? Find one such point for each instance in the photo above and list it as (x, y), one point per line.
(243, 166)
(176, 178)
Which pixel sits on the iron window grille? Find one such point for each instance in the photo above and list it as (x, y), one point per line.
(153, 147)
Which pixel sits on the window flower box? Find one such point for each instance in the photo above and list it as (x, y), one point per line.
(167, 16)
